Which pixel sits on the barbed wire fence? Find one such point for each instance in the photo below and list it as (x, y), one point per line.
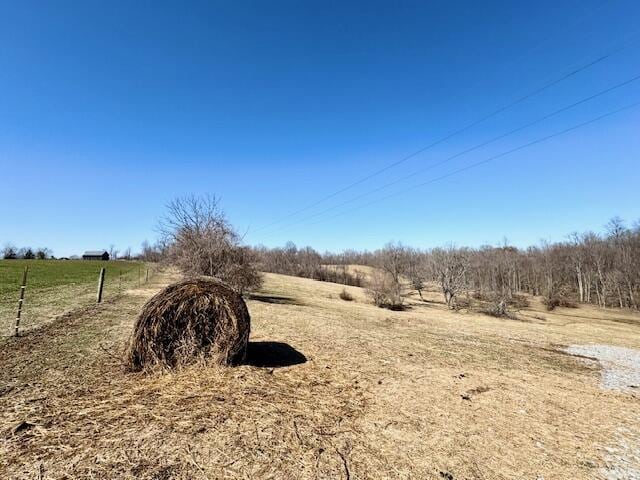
(23, 308)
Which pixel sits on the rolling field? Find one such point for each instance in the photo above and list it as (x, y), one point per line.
(55, 287)
(331, 389)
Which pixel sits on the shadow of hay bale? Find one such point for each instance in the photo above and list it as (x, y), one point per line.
(273, 355)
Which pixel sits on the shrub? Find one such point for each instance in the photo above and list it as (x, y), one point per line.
(346, 296)
(461, 303)
(200, 241)
(499, 309)
(518, 301)
(566, 303)
(384, 292)
(478, 295)
(551, 303)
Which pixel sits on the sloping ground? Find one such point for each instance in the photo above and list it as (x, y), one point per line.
(364, 271)
(425, 394)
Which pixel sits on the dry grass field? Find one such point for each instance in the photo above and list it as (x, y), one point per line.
(331, 389)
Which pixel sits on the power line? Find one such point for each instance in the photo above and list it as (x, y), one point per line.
(487, 160)
(445, 138)
(622, 44)
(464, 152)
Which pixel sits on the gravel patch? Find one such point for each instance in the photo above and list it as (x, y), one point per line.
(620, 366)
(622, 457)
(620, 371)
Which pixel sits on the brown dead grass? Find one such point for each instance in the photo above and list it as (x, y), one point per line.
(419, 394)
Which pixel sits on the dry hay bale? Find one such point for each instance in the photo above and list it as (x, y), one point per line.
(190, 320)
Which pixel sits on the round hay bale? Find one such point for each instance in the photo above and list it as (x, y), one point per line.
(191, 320)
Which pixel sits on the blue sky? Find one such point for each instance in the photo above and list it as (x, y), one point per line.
(110, 109)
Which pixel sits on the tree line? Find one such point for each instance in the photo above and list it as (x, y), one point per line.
(10, 252)
(305, 262)
(592, 268)
(601, 269)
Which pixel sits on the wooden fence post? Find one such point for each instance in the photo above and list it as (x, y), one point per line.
(100, 285)
(23, 287)
(139, 273)
(146, 280)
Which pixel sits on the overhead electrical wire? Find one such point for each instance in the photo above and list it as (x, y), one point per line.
(441, 140)
(464, 152)
(463, 129)
(486, 160)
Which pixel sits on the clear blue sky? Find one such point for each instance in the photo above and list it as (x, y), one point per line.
(110, 109)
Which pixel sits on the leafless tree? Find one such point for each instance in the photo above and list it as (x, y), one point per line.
(416, 270)
(127, 254)
(202, 242)
(383, 290)
(306, 262)
(451, 266)
(43, 253)
(153, 253)
(9, 252)
(393, 260)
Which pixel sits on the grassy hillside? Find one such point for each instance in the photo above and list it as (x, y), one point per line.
(427, 393)
(55, 286)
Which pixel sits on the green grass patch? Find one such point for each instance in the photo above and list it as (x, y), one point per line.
(58, 286)
(45, 274)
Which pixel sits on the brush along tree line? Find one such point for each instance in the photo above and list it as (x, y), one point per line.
(304, 262)
(10, 252)
(601, 269)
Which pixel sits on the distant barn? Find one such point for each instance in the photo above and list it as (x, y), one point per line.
(97, 255)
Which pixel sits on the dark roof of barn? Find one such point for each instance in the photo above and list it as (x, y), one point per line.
(94, 253)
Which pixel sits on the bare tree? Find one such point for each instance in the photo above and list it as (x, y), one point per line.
(417, 270)
(451, 266)
(393, 260)
(306, 262)
(577, 256)
(43, 253)
(240, 270)
(202, 242)
(153, 253)
(9, 252)
(383, 290)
